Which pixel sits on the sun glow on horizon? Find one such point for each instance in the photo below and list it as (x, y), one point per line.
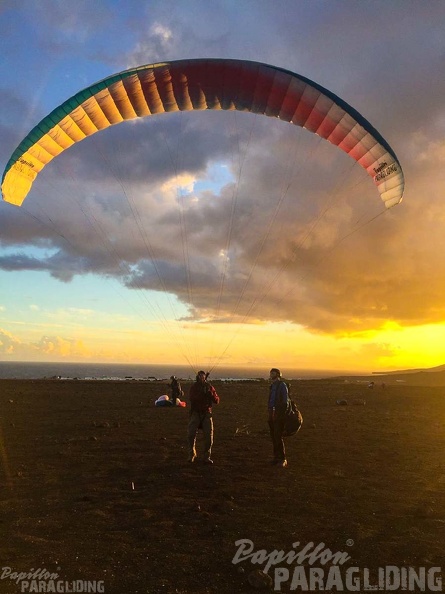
(228, 345)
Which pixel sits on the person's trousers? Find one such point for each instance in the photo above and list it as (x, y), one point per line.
(276, 427)
(200, 421)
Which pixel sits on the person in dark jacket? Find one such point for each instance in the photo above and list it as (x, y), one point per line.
(202, 396)
(277, 407)
(176, 389)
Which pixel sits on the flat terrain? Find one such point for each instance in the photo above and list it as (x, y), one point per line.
(95, 483)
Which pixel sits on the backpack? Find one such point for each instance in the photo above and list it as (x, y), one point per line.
(293, 419)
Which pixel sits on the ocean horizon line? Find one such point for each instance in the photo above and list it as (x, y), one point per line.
(80, 370)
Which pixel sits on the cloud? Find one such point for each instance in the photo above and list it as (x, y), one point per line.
(286, 224)
(56, 346)
(295, 223)
(53, 347)
(154, 47)
(8, 343)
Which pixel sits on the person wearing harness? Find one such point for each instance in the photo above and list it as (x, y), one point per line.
(202, 396)
(277, 407)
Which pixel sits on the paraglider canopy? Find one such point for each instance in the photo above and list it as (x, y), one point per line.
(204, 84)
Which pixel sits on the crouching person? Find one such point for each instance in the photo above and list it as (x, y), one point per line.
(202, 396)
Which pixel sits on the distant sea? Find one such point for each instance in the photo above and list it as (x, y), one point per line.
(102, 371)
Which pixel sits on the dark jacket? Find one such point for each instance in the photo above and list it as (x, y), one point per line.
(278, 397)
(202, 397)
(176, 389)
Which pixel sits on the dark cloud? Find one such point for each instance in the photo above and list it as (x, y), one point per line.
(287, 221)
(150, 149)
(292, 235)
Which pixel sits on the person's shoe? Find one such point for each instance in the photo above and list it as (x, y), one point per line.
(208, 461)
(191, 458)
(282, 463)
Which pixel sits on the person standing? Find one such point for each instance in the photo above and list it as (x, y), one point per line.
(202, 396)
(277, 407)
(176, 389)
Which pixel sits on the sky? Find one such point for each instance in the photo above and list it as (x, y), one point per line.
(225, 238)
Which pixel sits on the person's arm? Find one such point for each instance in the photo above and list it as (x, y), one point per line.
(281, 398)
(271, 402)
(275, 394)
(215, 397)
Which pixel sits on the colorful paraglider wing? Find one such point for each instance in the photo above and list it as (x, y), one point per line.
(198, 85)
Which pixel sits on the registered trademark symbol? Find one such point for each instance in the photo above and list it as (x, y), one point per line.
(350, 542)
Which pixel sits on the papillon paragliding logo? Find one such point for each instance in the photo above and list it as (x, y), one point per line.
(384, 171)
(315, 567)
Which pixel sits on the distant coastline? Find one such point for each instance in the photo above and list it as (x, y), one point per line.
(140, 372)
(104, 371)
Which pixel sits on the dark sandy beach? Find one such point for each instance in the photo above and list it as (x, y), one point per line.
(96, 488)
